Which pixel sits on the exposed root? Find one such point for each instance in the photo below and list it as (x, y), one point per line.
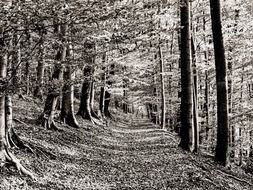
(70, 120)
(235, 178)
(13, 140)
(93, 114)
(17, 142)
(9, 158)
(48, 123)
(46, 153)
(97, 122)
(21, 122)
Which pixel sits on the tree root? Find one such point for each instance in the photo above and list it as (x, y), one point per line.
(98, 122)
(70, 120)
(48, 123)
(93, 114)
(21, 122)
(13, 140)
(235, 178)
(47, 154)
(221, 172)
(9, 158)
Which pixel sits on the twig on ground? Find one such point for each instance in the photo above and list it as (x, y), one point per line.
(234, 177)
(19, 121)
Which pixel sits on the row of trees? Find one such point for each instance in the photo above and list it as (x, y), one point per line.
(49, 48)
(201, 45)
(158, 53)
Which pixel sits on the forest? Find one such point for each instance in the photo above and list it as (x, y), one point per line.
(126, 94)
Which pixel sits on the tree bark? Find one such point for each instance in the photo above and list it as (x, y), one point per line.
(186, 79)
(67, 109)
(162, 88)
(92, 97)
(5, 122)
(195, 99)
(102, 90)
(40, 69)
(107, 93)
(48, 115)
(107, 103)
(221, 152)
(16, 62)
(85, 106)
(207, 104)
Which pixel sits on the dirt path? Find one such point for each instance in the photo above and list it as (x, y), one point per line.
(124, 156)
(140, 156)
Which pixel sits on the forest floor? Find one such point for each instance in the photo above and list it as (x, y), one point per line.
(131, 154)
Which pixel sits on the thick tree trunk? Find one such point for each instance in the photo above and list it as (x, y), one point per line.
(67, 109)
(85, 105)
(206, 105)
(16, 63)
(92, 97)
(107, 93)
(3, 70)
(106, 104)
(6, 122)
(221, 152)
(48, 115)
(186, 132)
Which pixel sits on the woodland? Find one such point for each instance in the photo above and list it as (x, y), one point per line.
(126, 94)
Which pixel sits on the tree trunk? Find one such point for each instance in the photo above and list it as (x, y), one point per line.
(107, 103)
(51, 101)
(5, 122)
(92, 97)
(85, 106)
(107, 93)
(3, 136)
(195, 99)
(221, 152)
(16, 63)
(40, 69)
(162, 87)
(186, 79)
(207, 104)
(67, 109)
(102, 91)
(29, 62)
(102, 102)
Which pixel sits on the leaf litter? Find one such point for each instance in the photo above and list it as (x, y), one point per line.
(121, 156)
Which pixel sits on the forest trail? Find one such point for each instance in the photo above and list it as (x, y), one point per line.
(130, 154)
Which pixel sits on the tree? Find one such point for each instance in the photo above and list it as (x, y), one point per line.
(162, 87)
(221, 152)
(85, 108)
(41, 66)
(186, 79)
(6, 108)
